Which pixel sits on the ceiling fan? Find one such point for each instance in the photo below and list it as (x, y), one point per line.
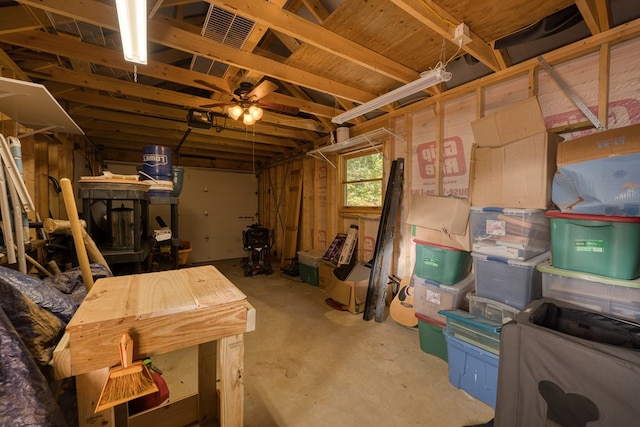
(247, 101)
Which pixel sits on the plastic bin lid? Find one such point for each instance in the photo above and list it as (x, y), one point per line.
(471, 319)
(430, 320)
(506, 211)
(462, 284)
(547, 267)
(472, 296)
(589, 217)
(532, 262)
(435, 245)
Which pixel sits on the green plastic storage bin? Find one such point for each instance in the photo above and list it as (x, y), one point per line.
(308, 274)
(442, 264)
(604, 245)
(432, 337)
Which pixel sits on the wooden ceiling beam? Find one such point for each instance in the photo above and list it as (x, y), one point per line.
(165, 31)
(13, 69)
(117, 86)
(293, 25)
(167, 34)
(596, 14)
(208, 142)
(118, 117)
(192, 158)
(19, 18)
(502, 56)
(125, 142)
(440, 21)
(299, 94)
(317, 10)
(72, 47)
(580, 48)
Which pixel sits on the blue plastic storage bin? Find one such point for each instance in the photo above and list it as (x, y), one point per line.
(509, 281)
(473, 370)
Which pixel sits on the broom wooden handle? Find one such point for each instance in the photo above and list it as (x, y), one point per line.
(76, 231)
(126, 350)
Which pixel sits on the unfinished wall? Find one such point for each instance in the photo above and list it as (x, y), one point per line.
(435, 138)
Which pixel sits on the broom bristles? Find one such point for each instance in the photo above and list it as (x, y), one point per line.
(126, 384)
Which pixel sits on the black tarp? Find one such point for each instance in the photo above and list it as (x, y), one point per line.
(33, 315)
(25, 396)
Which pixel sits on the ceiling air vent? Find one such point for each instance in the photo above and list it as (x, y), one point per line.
(226, 28)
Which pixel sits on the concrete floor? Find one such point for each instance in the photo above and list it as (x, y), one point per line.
(307, 365)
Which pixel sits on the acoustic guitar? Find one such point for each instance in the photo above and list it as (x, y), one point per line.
(401, 309)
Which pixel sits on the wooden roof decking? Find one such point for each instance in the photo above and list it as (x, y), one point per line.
(325, 57)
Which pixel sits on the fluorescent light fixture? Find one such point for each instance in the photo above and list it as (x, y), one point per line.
(132, 17)
(427, 79)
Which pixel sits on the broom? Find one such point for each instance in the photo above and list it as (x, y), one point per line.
(126, 381)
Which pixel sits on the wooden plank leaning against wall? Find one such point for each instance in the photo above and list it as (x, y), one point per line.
(330, 220)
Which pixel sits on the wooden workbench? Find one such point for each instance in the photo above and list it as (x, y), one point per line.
(163, 312)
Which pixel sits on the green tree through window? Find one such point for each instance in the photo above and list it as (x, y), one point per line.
(362, 182)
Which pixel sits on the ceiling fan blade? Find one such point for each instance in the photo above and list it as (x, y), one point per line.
(262, 90)
(214, 87)
(279, 107)
(217, 104)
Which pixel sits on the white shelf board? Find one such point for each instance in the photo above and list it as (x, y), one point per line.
(373, 138)
(31, 105)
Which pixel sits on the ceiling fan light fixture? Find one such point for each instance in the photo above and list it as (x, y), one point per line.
(248, 119)
(235, 111)
(256, 112)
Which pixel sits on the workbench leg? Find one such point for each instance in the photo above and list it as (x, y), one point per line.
(207, 396)
(230, 380)
(88, 388)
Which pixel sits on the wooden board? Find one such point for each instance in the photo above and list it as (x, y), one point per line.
(162, 311)
(110, 183)
(294, 200)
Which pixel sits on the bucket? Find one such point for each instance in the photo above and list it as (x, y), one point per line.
(183, 252)
(122, 226)
(178, 174)
(342, 134)
(156, 162)
(160, 188)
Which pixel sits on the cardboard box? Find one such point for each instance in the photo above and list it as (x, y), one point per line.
(440, 220)
(600, 145)
(461, 242)
(514, 158)
(599, 174)
(517, 175)
(352, 292)
(325, 272)
(517, 121)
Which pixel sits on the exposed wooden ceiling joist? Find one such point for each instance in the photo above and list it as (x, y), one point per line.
(324, 58)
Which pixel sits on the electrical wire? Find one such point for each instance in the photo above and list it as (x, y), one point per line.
(455, 54)
(432, 10)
